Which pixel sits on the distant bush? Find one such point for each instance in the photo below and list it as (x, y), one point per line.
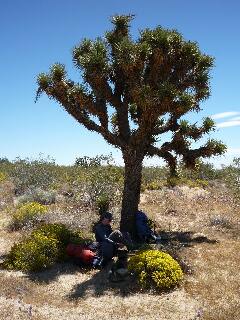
(153, 185)
(97, 161)
(153, 177)
(103, 203)
(155, 268)
(231, 176)
(94, 182)
(29, 174)
(27, 215)
(192, 183)
(38, 195)
(202, 171)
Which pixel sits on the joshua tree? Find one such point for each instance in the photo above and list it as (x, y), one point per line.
(132, 92)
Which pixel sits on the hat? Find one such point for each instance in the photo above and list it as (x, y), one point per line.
(107, 215)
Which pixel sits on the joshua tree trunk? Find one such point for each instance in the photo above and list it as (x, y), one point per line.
(131, 192)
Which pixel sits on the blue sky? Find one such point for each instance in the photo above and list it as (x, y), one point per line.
(36, 34)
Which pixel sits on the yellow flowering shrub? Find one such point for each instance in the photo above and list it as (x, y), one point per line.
(3, 177)
(41, 249)
(27, 214)
(57, 231)
(157, 268)
(45, 246)
(33, 254)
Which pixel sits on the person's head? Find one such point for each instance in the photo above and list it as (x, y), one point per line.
(106, 218)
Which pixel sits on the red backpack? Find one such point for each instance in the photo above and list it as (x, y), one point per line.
(81, 252)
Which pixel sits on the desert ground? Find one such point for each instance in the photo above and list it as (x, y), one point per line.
(200, 227)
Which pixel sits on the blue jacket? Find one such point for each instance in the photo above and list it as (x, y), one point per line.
(142, 226)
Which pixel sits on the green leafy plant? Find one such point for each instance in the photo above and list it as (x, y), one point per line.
(29, 174)
(56, 231)
(155, 268)
(96, 161)
(80, 237)
(192, 183)
(95, 183)
(231, 176)
(154, 185)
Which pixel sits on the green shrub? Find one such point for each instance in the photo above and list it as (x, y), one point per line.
(28, 174)
(27, 215)
(38, 195)
(191, 183)
(41, 250)
(154, 185)
(230, 175)
(56, 231)
(103, 203)
(93, 182)
(202, 183)
(155, 268)
(173, 182)
(78, 237)
(36, 253)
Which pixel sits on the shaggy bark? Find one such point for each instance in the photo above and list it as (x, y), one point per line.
(131, 192)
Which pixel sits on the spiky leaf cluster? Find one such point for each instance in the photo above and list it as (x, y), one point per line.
(144, 80)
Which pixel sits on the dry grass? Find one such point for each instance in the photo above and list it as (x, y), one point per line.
(202, 230)
(215, 280)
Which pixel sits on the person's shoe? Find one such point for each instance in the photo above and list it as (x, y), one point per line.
(156, 238)
(97, 263)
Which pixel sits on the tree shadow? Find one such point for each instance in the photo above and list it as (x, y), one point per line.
(187, 238)
(99, 284)
(2, 259)
(174, 242)
(49, 275)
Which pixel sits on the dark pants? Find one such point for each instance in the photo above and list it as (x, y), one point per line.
(108, 250)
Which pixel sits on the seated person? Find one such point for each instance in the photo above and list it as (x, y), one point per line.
(144, 232)
(109, 241)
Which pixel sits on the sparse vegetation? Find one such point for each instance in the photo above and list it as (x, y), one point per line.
(198, 220)
(38, 195)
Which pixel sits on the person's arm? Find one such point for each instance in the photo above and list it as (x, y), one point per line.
(101, 235)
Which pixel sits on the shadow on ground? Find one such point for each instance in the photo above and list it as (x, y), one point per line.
(187, 238)
(50, 275)
(98, 282)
